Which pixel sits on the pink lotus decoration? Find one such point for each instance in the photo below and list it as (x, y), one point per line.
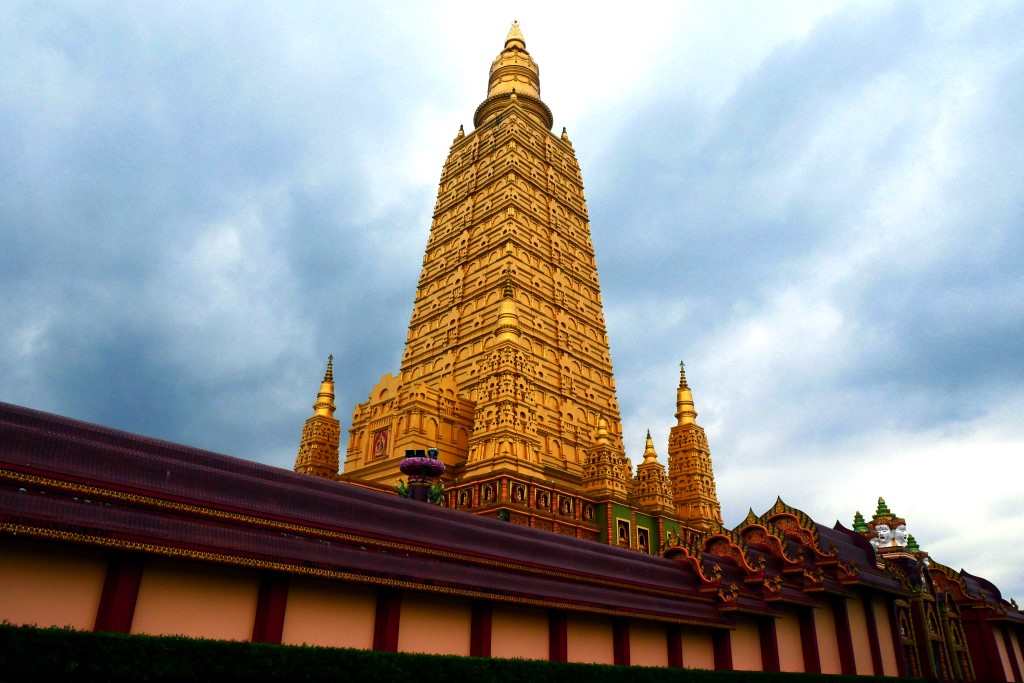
(423, 470)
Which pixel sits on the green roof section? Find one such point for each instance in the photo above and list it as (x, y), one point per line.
(883, 509)
(912, 545)
(858, 522)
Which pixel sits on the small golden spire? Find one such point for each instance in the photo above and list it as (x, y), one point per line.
(565, 135)
(515, 35)
(602, 431)
(650, 455)
(508, 313)
(514, 80)
(685, 412)
(324, 404)
(321, 434)
(461, 134)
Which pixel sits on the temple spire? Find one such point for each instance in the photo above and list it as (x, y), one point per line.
(689, 465)
(515, 37)
(649, 453)
(321, 434)
(685, 412)
(324, 404)
(514, 81)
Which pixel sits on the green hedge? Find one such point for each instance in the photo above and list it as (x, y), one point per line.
(33, 655)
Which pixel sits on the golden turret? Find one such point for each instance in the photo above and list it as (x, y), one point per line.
(689, 465)
(321, 434)
(652, 491)
(607, 472)
(514, 77)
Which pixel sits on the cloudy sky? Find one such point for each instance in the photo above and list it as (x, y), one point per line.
(819, 206)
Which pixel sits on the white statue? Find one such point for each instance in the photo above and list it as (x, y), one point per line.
(899, 536)
(883, 537)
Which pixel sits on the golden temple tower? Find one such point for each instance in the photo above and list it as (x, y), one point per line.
(506, 366)
(318, 447)
(652, 490)
(689, 465)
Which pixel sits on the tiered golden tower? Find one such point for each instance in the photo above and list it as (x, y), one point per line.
(689, 465)
(506, 369)
(652, 489)
(506, 365)
(318, 448)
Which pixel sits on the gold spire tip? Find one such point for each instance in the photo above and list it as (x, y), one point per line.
(515, 33)
(329, 374)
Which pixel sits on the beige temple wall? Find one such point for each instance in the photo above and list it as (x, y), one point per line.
(1018, 653)
(201, 601)
(329, 614)
(859, 636)
(648, 644)
(1005, 655)
(885, 640)
(746, 646)
(828, 642)
(791, 647)
(698, 650)
(434, 624)
(50, 584)
(519, 633)
(590, 640)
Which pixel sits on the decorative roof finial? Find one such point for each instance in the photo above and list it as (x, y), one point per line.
(565, 135)
(912, 545)
(650, 455)
(883, 509)
(329, 374)
(685, 411)
(515, 34)
(859, 524)
(461, 134)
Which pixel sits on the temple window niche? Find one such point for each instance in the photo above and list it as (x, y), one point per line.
(643, 539)
(623, 532)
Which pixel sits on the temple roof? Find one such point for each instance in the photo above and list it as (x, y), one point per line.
(113, 487)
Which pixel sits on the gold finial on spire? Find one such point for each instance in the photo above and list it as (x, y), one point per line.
(602, 431)
(685, 412)
(324, 404)
(329, 373)
(514, 80)
(650, 455)
(515, 35)
(461, 134)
